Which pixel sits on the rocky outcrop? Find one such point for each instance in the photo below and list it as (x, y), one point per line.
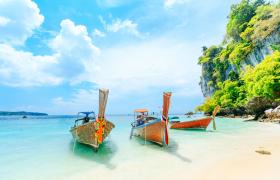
(257, 105)
(233, 112)
(207, 70)
(264, 109)
(189, 113)
(261, 50)
(262, 151)
(273, 114)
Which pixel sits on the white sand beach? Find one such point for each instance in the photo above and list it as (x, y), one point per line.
(246, 163)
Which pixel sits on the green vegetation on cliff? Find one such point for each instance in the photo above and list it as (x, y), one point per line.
(250, 24)
(264, 79)
(261, 81)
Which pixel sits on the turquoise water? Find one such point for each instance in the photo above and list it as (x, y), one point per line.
(42, 147)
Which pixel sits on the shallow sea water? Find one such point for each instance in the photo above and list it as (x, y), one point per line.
(42, 148)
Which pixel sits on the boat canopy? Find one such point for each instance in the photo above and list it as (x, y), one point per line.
(86, 113)
(141, 110)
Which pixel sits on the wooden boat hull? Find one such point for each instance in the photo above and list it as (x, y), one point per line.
(85, 133)
(152, 131)
(195, 124)
(173, 122)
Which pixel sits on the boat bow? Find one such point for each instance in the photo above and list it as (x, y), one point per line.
(101, 122)
(165, 110)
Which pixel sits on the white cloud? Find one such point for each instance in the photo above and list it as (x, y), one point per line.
(170, 3)
(19, 68)
(160, 63)
(102, 20)
(127, 26)
(140, 70)
(82, 100)
(73, 59)
(74, 50)
(19, 18)
(4, 21)
(98, 33)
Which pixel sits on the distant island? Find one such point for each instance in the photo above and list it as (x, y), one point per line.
(21, 113)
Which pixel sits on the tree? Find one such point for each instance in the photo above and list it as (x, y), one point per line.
(239, 17)
(264, 79)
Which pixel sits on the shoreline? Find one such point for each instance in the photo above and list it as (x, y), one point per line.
(248, 118)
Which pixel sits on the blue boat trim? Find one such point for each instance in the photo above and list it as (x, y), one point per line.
(147, 124)
(86, 113)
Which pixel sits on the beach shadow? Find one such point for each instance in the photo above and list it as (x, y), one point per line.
(198, 130)
(103, 155)
(171, 149)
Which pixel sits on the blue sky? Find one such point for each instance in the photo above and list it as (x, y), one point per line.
(54, 55)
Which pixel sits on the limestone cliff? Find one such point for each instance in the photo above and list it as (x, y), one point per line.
(259, 52)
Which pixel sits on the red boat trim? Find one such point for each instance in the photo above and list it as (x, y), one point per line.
(194, 124)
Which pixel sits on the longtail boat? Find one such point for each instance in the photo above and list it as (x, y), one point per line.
(198, 123)
(151, 128)
(91, 130)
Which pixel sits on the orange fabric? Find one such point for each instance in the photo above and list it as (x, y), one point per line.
(141, 110)
(100, 130)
